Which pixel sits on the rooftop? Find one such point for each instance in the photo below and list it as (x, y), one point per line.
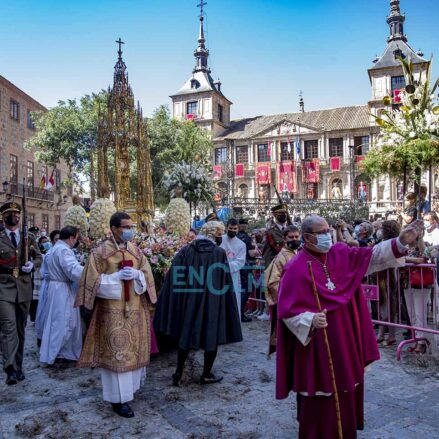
(25, 96)
(334, 119)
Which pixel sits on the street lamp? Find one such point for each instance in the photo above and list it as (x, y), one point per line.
(5, 185)
(352, 171)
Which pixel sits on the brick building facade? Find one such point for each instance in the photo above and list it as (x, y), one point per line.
(46, 208)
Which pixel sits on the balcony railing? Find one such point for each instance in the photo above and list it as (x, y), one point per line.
(31, 192)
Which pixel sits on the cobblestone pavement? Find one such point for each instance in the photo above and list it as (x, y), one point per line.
(402, 400)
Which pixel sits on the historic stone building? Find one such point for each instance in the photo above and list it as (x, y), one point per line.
(304, 155)
(46, 208)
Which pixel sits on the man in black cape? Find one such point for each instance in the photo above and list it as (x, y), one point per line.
(197, 305)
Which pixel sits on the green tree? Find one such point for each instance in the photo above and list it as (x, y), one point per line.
(68, 132)
(173, 142)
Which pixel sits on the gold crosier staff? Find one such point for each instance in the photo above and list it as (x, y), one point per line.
(328, 351)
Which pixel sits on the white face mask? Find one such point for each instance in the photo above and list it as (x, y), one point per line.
(379, 234)
(324, 242)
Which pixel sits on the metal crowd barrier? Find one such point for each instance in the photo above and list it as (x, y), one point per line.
(406, 298)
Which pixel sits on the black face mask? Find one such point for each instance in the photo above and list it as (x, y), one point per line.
(11, 221)
(231, 234)
(76, 244)
(218, 240)
(294, 245)
(282, 218)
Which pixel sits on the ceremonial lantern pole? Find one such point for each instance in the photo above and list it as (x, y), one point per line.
(328, 351)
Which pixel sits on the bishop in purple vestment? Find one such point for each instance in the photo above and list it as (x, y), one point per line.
(302, 358)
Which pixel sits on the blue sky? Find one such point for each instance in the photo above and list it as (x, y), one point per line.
(263, 51)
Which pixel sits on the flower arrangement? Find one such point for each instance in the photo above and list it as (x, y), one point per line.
(192, 180)
(76, 216)
(178, 217)
(100, 214)
(160, 249)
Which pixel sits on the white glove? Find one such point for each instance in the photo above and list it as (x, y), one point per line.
(27, 267)
(117, 275)
(129, 273)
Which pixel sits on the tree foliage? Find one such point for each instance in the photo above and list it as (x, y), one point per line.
(67, 132)
(173, 142)
(409, 139)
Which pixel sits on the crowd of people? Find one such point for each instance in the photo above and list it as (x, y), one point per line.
(304, 276)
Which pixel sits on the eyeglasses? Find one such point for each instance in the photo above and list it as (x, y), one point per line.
(127, 227)
(323, 232)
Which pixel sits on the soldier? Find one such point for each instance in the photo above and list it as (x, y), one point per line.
(274, 238)
(15, 290)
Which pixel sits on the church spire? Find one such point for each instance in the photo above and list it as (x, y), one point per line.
(396, 23)
(201, 53)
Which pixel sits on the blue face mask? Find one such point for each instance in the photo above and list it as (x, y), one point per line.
(46, 246)
(427, 225)
(324, 242)
(127, 235)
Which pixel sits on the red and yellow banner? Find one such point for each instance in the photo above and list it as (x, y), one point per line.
(311, 171)
(263, 173)
(286, 177)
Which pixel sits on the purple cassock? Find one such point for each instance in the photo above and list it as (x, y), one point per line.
(305, 369)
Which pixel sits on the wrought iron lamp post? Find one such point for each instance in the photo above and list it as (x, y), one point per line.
(352, 170)
(5, 185)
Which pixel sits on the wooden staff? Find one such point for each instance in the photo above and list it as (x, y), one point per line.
(328, 351)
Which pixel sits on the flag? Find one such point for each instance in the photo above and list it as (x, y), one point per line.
(269, 149)
(51, 182)
(397, 96)
(288, 145)
(298, 146)
(43, 182)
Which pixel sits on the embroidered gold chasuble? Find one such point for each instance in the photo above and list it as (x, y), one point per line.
(119, 337)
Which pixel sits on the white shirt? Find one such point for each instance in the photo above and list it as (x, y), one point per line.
(17, 234)
(432, 238)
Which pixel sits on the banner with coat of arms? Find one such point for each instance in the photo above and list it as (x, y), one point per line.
(311, 171)
(263, 173)
(286, 177)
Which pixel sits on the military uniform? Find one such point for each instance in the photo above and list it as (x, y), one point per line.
(274, 237)
(15, 292)
(274, 241)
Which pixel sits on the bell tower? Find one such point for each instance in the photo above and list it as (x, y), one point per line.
(200, 98)
(386, 75)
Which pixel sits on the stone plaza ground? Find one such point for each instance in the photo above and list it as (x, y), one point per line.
(401, 399)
